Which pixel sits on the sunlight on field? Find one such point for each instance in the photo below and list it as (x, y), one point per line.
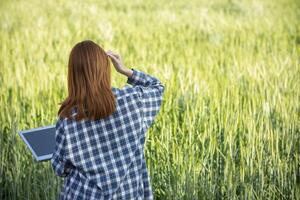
(229, 124)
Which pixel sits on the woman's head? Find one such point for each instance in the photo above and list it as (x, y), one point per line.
(89, 83)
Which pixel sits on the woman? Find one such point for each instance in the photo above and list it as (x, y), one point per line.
(100, 131)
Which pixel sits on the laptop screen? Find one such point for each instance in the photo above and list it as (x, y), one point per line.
(41, 141)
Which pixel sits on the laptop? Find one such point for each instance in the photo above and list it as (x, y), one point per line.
(40, 141)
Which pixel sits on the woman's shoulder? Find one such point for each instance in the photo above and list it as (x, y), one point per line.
(126, 90)
(59, 122)
(62, 120)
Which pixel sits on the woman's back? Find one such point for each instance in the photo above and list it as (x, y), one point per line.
(104, 159)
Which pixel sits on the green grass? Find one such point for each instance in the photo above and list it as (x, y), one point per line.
(229, 126)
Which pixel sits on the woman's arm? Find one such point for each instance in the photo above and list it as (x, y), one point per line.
(151, 92)
(118, 64)
(149, 88)
(58, 161)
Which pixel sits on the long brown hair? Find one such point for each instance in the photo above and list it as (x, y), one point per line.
(89, 83)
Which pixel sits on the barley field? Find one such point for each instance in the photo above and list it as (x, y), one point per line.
(229, 125)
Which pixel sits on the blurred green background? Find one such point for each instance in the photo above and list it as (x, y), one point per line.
(229, 124)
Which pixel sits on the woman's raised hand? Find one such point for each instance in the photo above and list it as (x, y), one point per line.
(118, 63)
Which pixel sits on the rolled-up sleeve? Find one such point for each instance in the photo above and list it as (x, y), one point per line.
(151, 92)
(59, 162)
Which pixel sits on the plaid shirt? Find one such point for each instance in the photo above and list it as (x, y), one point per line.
(104, 159)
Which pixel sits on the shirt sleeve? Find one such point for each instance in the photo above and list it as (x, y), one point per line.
(58, 161)
(151, 90)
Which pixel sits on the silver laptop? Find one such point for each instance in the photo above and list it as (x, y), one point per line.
(40, 141)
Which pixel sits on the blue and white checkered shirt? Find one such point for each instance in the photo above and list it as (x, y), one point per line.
(104, 159)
